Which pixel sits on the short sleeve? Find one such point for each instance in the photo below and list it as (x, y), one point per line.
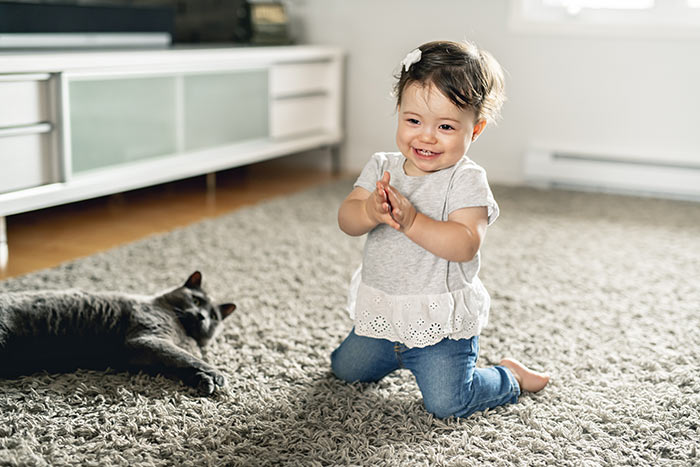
(470, 188)
(372, 172)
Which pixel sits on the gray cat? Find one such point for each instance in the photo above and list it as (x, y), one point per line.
(61, 330)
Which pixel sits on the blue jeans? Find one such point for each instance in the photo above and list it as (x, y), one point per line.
(446, 372)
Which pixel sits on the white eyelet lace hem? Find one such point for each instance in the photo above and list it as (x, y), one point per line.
(418, 320)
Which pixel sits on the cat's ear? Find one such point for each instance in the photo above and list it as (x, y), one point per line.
(194, 281)
(226, 309)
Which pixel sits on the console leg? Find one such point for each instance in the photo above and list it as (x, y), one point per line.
(211, 183)
(210, 195)
(4, 251)
(335, 159)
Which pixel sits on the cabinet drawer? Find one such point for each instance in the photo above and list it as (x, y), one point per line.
(23, 102)
(299, 115)
(300, 78)
(25, 161)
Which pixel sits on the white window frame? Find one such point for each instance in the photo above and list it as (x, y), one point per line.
(663, 19)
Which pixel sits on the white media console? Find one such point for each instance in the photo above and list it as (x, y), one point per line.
(81, 124)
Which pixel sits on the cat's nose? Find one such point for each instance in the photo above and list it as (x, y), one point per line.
(201, 317)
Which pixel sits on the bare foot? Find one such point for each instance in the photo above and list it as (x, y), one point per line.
(530, 381)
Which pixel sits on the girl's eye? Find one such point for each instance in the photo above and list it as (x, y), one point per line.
(445, 126)
(413, 121)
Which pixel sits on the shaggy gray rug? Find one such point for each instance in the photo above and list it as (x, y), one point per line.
(600, 290)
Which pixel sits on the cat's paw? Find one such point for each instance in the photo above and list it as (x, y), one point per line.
(207, 382)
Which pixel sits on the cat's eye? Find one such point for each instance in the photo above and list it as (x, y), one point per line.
(198, 301)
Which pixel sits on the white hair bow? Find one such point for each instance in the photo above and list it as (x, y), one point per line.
(412, 57)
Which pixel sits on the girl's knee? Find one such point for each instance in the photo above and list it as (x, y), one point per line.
(338, 369)
(442, 404)
(445, 399)
(345, 369)
(353, 367)
(448, 408)
(363, 359)
(440, 411)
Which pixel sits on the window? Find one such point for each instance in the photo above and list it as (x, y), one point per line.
(608, 17)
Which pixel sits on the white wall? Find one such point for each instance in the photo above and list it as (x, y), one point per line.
(629, 95)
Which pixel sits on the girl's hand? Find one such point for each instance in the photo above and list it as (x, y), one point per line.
(378, 206)
(402, 210)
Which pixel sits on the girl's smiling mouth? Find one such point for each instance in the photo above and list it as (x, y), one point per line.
(425, 154)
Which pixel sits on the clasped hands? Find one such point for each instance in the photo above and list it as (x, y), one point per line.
(387, 206)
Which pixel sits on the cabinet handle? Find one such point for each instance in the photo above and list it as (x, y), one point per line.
(300, 95)
(26, 129)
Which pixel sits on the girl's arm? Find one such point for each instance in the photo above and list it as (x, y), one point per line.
(362, 210)
(457, 239)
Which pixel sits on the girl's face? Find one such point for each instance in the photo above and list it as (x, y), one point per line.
(432, 132)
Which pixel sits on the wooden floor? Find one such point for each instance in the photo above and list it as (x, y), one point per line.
(48, 237)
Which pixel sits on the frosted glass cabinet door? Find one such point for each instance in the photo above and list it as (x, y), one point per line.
(223, 108)
(116, 121)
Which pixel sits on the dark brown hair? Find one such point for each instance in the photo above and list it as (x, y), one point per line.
(468, 76)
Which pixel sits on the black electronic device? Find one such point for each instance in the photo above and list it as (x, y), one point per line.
(260, 22)
(81, 23)
(222, 21)
(41, 24)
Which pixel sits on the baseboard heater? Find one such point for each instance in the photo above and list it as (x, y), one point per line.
(608, 173)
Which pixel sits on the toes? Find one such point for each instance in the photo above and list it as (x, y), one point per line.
(529, 380)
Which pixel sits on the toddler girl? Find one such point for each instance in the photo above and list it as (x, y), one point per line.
(416, 300)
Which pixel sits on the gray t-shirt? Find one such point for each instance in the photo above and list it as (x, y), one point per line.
(395, 264)
(404, 293)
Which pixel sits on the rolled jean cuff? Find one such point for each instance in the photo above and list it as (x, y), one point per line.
(515, 387)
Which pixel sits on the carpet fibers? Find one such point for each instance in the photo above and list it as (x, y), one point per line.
(602, 291)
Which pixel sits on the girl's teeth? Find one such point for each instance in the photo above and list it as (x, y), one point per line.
(424, 152)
